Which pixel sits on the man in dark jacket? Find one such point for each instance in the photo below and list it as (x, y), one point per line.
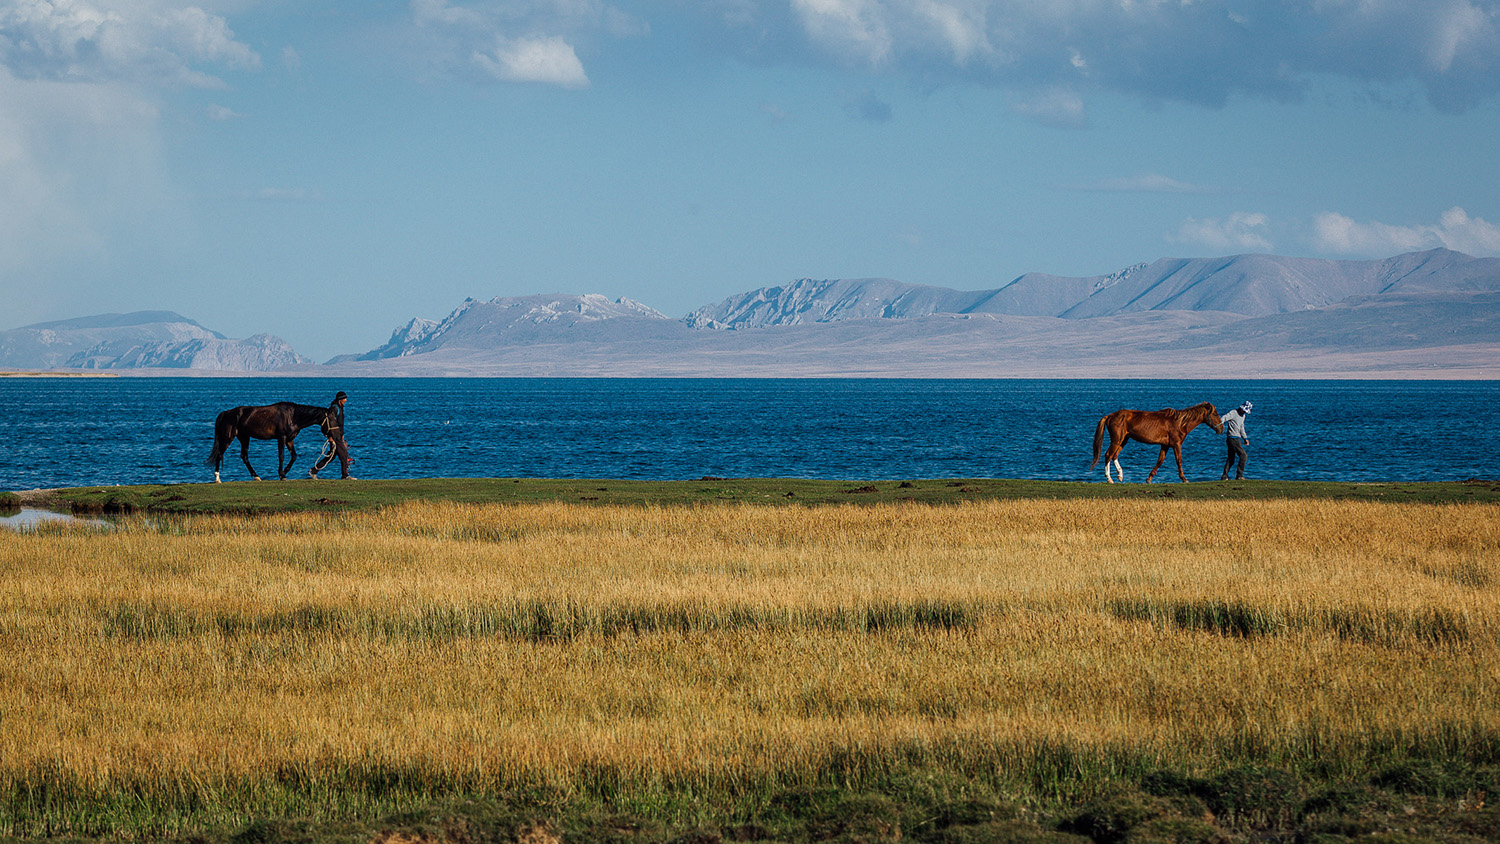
(333, 429)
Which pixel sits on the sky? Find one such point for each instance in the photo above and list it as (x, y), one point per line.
(325, 171)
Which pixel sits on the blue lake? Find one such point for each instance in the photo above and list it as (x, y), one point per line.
(93, 431)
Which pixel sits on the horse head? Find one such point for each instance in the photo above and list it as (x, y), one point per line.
(1212, 417)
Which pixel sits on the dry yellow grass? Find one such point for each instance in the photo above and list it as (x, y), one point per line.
(493, 645)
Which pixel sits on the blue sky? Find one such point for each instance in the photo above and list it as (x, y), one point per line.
(325, 171)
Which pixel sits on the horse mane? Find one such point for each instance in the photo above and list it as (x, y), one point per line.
(1196, 413)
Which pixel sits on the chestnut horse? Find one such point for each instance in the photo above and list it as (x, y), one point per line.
(1165, 428)
(280, 422)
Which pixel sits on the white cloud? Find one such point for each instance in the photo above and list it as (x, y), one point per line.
(1457, 30)
(1455, 230)
(549, 60)
(218, 112)
(147, 41)
(1240, 231)
(519, 40)
(855, 29)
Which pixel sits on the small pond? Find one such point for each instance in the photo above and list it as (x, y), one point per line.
(28, 518)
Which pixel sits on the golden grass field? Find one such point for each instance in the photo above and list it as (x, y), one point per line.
(205, 663)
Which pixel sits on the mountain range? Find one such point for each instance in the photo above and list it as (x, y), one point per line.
(140, 340)
(1423, 313)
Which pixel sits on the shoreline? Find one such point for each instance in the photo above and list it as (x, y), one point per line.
(638, 375)
(251, 498)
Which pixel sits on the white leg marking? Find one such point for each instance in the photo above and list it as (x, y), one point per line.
(216, 477)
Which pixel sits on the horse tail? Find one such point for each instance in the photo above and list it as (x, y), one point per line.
(223, 436)
(1098, 440)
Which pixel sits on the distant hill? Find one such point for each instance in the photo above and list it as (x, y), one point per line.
(1416, 314)
(143, 339)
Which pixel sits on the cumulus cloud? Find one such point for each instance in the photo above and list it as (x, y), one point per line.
(550, 60)
(1455, 230)
(520, 40)
(1201, 52)
(856, 29)
(1240, 231)
(139, 41)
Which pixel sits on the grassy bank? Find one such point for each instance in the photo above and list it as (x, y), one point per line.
(251, 497)
(1003, 670)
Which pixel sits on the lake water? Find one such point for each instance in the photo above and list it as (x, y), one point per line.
(94, 431)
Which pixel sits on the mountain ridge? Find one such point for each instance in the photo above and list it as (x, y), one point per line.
(1422, 312)
(1411, 313)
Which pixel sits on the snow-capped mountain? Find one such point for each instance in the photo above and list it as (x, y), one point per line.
(1247, 314)
(1247, 285)
(808, 301)
(1435, 312)
(143, 339)
(259, 353)
(511, 319)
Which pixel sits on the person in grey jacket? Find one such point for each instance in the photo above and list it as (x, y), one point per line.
(1236, 440)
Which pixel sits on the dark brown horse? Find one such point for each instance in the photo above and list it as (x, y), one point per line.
(1165, 428)
(280, 422)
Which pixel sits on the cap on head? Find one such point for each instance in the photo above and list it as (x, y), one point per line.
(340, 396)
(1246, 407)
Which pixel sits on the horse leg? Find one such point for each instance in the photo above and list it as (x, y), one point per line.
(223, 436)
(1113, 456)
(291, 447)
(1160, 459)
(280, 459)
(245, 454)
(1177, 450)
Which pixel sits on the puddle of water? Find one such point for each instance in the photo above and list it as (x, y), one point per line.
(28, 518)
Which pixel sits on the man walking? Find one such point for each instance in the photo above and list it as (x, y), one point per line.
(1235, 439)
(333, 429)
